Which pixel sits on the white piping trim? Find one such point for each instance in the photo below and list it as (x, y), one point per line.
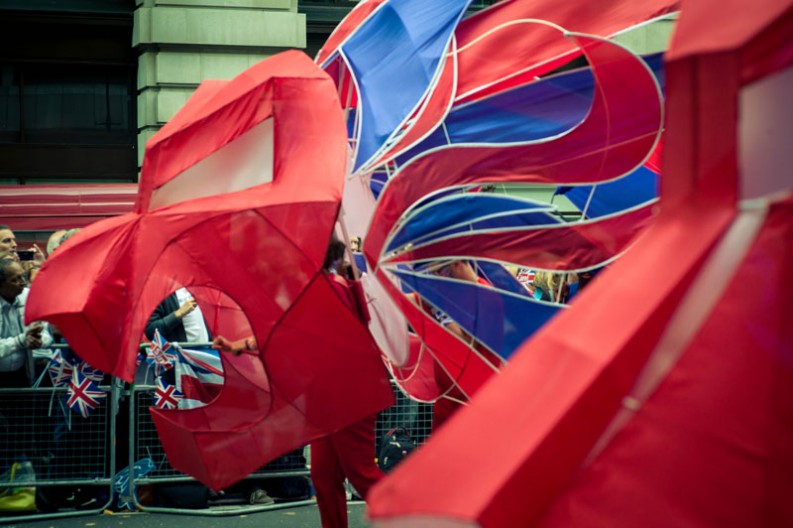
(546, 140)
(433, 82)
(335, 52)
(453, 55)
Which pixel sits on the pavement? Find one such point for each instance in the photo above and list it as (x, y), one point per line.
(287, 516)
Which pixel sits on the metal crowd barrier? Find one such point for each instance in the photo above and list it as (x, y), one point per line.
(70, 453)
(72, 457)
(414, 416)
(144, 443)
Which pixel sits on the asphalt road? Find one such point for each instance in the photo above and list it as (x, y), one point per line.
(306, 516)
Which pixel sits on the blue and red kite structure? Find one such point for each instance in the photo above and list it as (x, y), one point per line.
(662, 397)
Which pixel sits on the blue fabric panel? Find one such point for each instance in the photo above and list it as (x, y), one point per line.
(530, 112)
(534, 111)
(394, 57)
(442, 218)
(501, 278)
(507, 220)
(351, 116)
(501, 321)
(377, 182)
(636, 188)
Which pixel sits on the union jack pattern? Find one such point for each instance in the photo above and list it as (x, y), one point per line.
(90, 372)
(160, 356)
(84, 396)
(526, 276)
(199, 376)
(166, 396)
(60, 369)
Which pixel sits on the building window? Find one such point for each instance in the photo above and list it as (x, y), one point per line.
(67, 92)
(68, 105)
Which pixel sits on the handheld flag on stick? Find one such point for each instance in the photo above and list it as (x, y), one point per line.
(199, 376)
(166, 396)
(84, 396)
(90, 372)
(160, 356)
(60, 369)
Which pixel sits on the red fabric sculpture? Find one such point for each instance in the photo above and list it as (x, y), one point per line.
(238, 196)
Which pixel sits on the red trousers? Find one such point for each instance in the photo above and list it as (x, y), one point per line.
(347, 453)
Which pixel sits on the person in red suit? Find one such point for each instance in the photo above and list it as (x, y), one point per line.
(350, 452)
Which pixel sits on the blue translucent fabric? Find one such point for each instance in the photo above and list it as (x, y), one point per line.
(634, 189)
(351, 117)
(500, 320)
(377, 182)
(501, 278)
(470, 212)
(535, 111)
(629, 191)
(394, 56)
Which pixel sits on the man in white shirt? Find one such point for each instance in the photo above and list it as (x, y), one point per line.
(17, 341)
(195, 327)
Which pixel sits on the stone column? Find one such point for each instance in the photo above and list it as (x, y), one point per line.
(183, 42)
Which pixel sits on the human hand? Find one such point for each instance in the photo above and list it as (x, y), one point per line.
(186, 307)
(33, 336)
(235, 347)
(38, 255)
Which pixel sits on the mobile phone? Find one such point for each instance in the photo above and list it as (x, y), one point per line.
(25, 254)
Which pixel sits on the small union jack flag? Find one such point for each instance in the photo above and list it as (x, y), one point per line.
(91, 373)
(526, 276)
(60, 369)
(166, 396)
(84, 396)
(160, 356)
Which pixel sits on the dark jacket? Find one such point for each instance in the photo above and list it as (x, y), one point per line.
(164, 320)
